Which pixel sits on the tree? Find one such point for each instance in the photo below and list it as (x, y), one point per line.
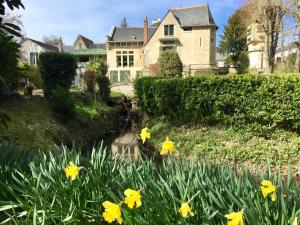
(170, 64)
(234, 39)
(7, 28)
(124, 22)
(294, 10)
(268, 14)
(51, 40)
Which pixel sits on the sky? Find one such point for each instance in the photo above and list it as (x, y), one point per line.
(94, 18)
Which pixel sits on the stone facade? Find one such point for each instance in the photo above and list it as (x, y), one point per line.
(256, 47)
(191, 31)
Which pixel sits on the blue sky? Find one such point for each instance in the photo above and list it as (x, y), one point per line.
(94, 18)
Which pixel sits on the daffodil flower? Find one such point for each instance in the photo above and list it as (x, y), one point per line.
(72, 170)
(235, 218)
(112, 212)
(167, 147)
(145, 135)
(267, 188)
(133, 198)
(185, 210)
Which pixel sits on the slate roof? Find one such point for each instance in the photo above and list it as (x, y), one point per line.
(88, 42)
(130, 33)
(43, 45)
(194, 16)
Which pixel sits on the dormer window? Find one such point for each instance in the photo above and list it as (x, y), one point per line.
(169, 30)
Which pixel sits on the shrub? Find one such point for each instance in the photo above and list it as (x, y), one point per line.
(29, 89)
(9, 78)
(243, 63)
(98, 66)
(31, 73)
(57, 69)
(170, 64)
(62, 103)
(90, 81)
(213, 190)
(104, 87)
(269, 101)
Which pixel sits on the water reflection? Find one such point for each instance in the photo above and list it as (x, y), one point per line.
(126, 145)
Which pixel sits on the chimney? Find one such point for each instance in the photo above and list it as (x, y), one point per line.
(145, 30)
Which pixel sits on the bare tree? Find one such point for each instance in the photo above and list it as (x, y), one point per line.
(51, 40)
(269, 14)
(294, 10)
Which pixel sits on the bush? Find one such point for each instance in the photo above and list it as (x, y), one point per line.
(31, 73)
(170, 64)
(213, 191)
(90, 81)
(268, 101)
(243, 63)
(29, 89)
(62, 103)
(104, 88)
(9, 78)
(98, 66)
(57, 69)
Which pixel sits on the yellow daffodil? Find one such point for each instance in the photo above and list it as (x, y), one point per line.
(145, 135)
(72, 170)
(267, 188)
(235, 218)
(185, 210)
(112, 212)
(167, 147)
(295, 221)
(133, 198)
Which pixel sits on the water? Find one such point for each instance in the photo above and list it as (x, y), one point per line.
(126, 145)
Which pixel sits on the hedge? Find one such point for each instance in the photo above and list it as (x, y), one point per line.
(57, 69)
(270, 101)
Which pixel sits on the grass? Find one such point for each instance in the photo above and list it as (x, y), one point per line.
(223, 143)
(35, 127)
(43, 195)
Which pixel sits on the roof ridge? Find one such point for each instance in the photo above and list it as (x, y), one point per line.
(190, 7)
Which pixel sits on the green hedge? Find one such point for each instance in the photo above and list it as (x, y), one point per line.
(270, 101)
(57, 69)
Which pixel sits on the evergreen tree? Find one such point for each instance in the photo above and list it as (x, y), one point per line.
(234, 39)
(124, 22)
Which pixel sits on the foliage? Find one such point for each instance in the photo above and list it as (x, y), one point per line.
(7, 28)
(234, 40)
(29, 89)
(98, 66)
(9, 79)
(57, 69)
(222, 143)
(243, 63)
(104, 88)
(169, 64)
(268, 102)
(62, 103)
(31, 73)
(90, 81)
(51, 40)
(124, 23)
(214, 190)
(154, 69)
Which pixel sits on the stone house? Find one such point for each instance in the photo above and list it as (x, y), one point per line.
(31, 49)
(190, 31)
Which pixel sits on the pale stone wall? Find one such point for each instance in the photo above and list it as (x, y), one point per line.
(138, 64)
(196, 48)
(256, 45)
(28, 47)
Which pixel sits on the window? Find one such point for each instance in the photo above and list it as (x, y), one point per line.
(34, 58)
(80, 45)
(169, 30)
(168, 48)
(125, 58)
(113, 76)
(187, 28)
(124, 76)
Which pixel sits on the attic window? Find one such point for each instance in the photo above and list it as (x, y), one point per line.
(169, 30)
(187, 28)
